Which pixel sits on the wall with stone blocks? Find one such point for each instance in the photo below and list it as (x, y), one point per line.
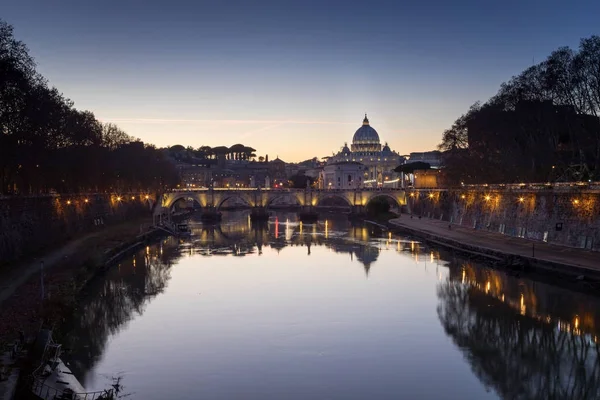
(570, 218)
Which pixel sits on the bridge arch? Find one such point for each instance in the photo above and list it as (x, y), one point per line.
(267, 198)
(223, 199)
(188, 199)
(334, 195)
(170, 201)
(272, 198)
(384, 195)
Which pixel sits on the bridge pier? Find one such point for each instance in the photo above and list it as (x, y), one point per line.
(259, 213)
(308, 214)
(210, 214)
(357, 211)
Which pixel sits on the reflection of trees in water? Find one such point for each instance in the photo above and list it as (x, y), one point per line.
(521, 354)
(561, 307)
(114, 299)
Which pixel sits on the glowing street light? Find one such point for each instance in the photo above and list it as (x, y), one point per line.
(69, 202)
(576, 201)
(521, 199)
(487, 197)
(118, 198)
(86, 200)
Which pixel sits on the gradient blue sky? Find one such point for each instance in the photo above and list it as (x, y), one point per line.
(290, 78)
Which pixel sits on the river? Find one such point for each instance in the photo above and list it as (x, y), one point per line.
(327, 311)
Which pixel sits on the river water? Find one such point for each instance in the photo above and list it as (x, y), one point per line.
(327, 311)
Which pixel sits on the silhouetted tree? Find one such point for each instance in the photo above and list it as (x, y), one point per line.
(300, 181)
(541, 125)
(379, 205)
(409, 168)
(48, 145)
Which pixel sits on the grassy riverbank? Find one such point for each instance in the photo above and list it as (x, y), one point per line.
(66, 271)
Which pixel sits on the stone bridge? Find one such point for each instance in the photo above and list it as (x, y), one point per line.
(266, 197)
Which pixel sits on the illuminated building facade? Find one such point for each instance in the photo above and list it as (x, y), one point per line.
(379, 161)
(343, 175)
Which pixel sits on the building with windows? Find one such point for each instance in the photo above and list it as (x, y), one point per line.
(343, 175)
(378, 161)
(433, 158)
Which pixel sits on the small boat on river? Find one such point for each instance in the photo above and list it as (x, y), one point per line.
(54, 380)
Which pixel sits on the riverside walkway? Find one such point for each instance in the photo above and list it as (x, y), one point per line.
(573, 260)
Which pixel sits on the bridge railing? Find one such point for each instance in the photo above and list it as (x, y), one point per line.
(558, 186)
(279, 190)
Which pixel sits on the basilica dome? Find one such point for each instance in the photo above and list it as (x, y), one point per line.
(365, 134)
(366, 138)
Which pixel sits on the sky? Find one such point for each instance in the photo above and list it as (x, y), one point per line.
(291, 78)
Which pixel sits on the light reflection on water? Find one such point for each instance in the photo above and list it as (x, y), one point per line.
(328, 310)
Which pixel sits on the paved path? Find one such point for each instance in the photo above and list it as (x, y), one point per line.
(501, 243)
(12, 277)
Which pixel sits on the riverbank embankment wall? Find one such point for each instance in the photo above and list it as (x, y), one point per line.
(566, 217)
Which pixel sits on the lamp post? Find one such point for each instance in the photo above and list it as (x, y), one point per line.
(42, 278)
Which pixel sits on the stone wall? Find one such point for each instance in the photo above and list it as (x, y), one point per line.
(567, 217)
(29, 225)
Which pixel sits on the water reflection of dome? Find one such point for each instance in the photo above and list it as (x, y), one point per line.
(278, 244)
(367, 255)
(238, 237)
